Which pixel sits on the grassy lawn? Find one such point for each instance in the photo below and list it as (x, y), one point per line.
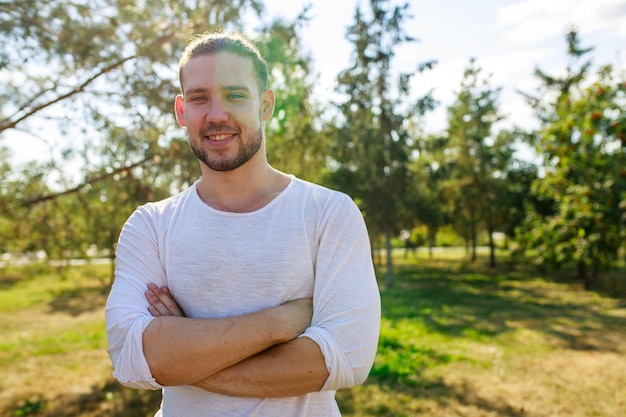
(457, 339)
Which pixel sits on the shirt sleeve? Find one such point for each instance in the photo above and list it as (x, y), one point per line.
(346, 299)
(126, 313)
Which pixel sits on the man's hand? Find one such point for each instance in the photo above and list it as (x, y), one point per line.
(162, 303)
(294, 316)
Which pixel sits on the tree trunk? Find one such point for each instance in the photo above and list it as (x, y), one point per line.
(474, 250)
(583, 274)
(432, 236)
(473, 239)
(474, 242)
(492, 251)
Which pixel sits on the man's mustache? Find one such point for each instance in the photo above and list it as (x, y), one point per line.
(214, 128)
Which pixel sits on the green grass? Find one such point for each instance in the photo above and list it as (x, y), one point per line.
(52, 336)
(457, 339)
(450, 319)
(51, 316)
(28, 286)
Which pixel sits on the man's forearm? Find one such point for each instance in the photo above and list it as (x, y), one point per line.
(285, 370)
(183, 351)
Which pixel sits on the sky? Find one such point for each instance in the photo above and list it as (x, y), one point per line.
(508, 39)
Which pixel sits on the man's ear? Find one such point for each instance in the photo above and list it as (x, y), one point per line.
(179, 109)
(268, 102)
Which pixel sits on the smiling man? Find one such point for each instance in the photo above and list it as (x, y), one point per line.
(252, 293)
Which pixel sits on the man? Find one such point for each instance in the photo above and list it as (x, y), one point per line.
(252, 293)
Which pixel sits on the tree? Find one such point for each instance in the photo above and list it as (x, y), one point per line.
(372, 144)
(481, 158)
(582, 218)
(294, 143)
(429, 172)
(109, 68)
(514, 201)
(86, 45)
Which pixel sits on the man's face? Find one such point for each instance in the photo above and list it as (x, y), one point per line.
(222, 110)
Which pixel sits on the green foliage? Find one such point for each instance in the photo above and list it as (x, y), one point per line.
(482, 158)
(104, 101)
(447, 237)
(426, 197)
(371, 141)
(29, 407)
(294, 143)
(371, 144)
(584, 186)
(107, 94)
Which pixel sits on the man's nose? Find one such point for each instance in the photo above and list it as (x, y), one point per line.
(216, 112)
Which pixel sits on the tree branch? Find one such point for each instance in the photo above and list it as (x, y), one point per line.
(11, 124)
(79, 187)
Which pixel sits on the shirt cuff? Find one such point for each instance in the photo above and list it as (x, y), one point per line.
(130, 365)
(339, 370)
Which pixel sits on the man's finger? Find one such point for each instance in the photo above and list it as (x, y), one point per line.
(156, 308)
(168, 300)
(163, 301)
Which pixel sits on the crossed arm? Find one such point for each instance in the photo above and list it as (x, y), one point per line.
(257, 354)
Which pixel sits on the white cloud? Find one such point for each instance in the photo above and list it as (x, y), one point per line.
(525, 10)
(600, 15)
(532, 21)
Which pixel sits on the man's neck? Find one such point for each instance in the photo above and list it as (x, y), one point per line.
(242, 190)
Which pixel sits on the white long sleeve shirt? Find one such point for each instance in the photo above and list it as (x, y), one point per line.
(309, 241)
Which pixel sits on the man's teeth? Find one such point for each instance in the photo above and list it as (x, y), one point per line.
(219, 137)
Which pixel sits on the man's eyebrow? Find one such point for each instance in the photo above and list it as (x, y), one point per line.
(195, 91)
(201, 90)
(236, 88)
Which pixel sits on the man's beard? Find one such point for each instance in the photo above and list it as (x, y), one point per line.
(246, 151)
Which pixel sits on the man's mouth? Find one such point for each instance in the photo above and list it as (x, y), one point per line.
(218, 138)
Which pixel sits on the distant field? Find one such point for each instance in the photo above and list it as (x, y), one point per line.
(457, 339)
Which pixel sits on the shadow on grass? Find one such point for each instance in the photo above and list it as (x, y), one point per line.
(76, 301)
(110, 400)
(351, 401)
(8, 281)
(484, 305)
(448, 303)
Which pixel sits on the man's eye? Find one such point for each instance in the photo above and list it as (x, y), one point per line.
(235, 96)
(197, 98)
